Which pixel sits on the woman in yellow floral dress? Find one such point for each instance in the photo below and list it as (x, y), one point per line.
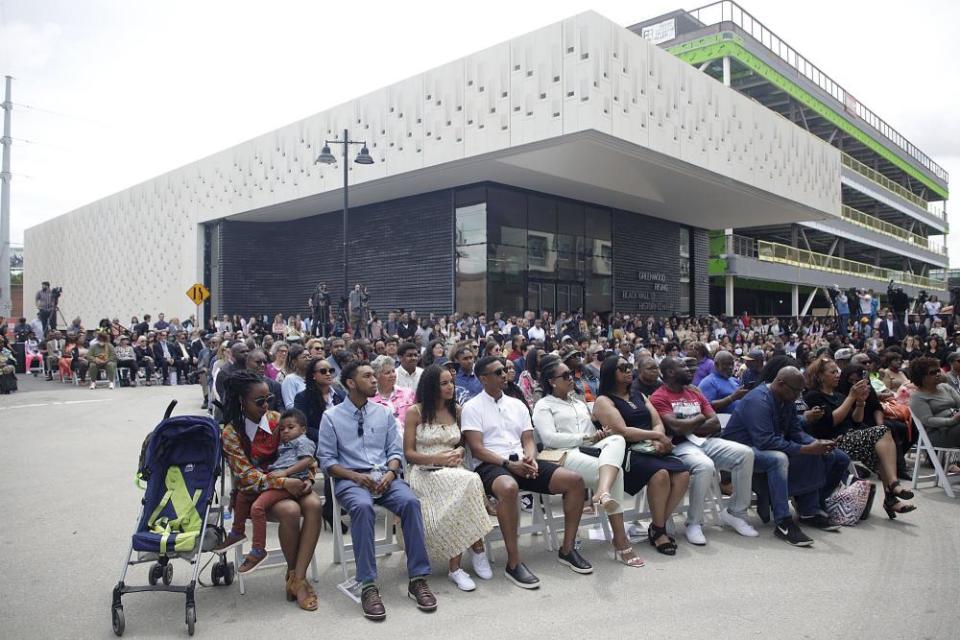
(451, 497)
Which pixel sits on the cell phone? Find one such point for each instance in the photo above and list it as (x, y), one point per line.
(430, 467)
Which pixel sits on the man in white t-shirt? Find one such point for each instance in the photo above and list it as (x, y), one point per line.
(498, 430)
(536, 332)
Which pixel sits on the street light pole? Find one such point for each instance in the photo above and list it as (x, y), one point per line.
(5, 176)
(363, 157)
(346, 208)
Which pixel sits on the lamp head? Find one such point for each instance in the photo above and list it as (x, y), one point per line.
(364, 156)
(325, 156)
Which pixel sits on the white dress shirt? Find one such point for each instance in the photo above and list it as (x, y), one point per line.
(408, 380)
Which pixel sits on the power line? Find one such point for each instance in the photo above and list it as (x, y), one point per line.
(61, 114)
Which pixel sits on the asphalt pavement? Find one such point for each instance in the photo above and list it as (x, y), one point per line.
(69, 506)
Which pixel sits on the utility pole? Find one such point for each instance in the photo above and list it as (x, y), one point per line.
(5, 301)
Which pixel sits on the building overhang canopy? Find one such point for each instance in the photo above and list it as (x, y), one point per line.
(588, 166)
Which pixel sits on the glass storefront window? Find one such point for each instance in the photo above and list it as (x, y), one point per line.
(471, 224)
(597, 223)
(684, 285)
(538, 252)
(471, 278)
(542, 214)
(570, 218)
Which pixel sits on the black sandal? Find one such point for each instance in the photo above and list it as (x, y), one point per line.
(905, 494)
(666, 548)
(890, 504)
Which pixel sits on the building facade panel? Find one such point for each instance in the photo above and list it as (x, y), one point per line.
(402, 251)
(646, 265)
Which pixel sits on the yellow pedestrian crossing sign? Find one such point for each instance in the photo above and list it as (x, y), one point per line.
(198, 293)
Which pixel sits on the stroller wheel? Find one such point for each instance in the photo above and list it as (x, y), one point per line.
(191, 618)
(168, 574)
(118, 621)
(156, 571)
(228, 573)
(216, 573)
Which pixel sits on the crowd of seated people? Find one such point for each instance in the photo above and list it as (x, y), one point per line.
(592, 409)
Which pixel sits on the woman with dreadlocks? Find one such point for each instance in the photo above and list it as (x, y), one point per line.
(251, 438)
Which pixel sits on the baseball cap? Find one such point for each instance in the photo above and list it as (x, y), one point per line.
(843, 354)
(754, 354)
(953, 357)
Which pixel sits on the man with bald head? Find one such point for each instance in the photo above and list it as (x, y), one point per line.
(795, 463)
(720, 387)
(238, 361)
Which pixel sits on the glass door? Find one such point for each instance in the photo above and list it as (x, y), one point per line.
(533, 296)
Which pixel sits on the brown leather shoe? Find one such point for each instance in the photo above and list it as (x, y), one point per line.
(373, 608)
(419, 591)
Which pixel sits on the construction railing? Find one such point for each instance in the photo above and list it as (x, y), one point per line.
(862, 219)
(727, 11)
(784, 254)
(875, 176)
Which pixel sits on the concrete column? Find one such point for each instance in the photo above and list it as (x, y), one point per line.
(728, 290)
(728, 287)
(795, 300)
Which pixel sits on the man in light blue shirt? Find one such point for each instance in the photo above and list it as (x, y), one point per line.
(467, 383)
(720, 387)
(359, 448)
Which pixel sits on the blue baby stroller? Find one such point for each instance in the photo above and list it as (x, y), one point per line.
(180, 462)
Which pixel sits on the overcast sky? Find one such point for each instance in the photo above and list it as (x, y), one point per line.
(111, 93)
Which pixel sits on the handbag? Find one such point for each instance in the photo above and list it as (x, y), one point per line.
(847, 504)
(556, 456)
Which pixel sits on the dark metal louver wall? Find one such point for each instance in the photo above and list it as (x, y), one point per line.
(402, 250)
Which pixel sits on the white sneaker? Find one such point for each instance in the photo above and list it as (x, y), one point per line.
(462, 579)
(694, 533)
(111, 385)
(481, 564)
(93, 385)
(739, 525)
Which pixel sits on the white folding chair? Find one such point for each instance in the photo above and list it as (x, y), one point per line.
(539, 525)
(939, 475)
(343, 546)
(39, 367)
(274, 559)
(556, 525)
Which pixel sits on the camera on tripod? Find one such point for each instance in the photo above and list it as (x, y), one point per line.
(56, 291)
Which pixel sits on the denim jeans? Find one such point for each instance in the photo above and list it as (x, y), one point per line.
(776, 465)
(398, 499)
(717, 453)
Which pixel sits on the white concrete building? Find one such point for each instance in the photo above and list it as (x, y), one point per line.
(584, 112)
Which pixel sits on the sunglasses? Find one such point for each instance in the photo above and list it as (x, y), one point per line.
(263, 400)
(566, 375)
(626, 367)
(259, 361)
(933, 372)
(323, 370)
(496, 372)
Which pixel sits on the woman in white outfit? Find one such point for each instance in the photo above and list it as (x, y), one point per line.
(570, 439)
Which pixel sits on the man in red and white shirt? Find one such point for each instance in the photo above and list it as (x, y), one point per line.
(693, 424)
